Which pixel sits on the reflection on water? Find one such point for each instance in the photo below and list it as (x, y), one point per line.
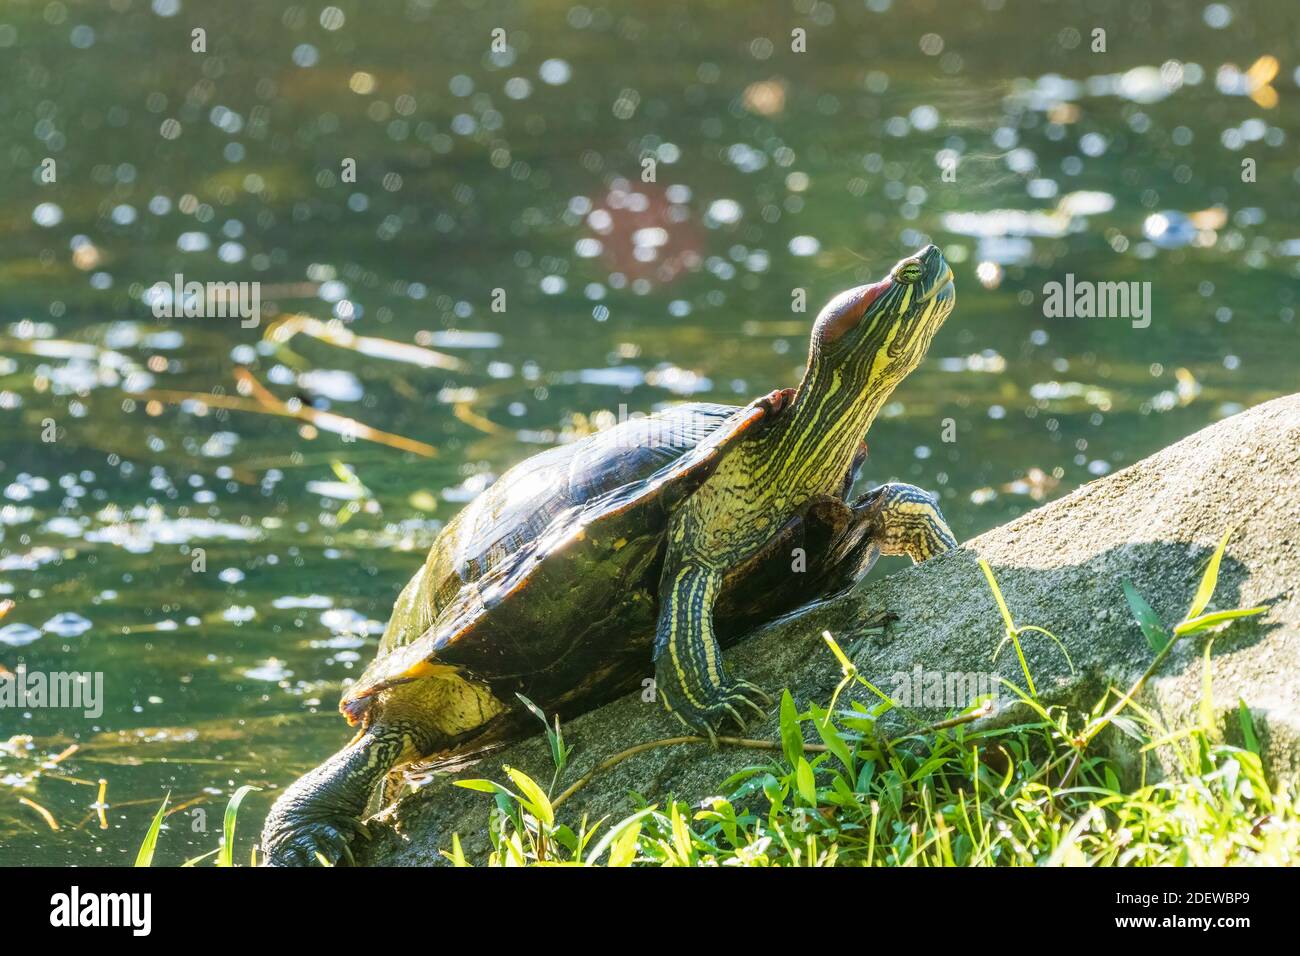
(461, 261)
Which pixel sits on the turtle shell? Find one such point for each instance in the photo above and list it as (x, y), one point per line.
(543, 581)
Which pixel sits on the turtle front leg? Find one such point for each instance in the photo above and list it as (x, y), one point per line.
(689, 674)
(321, 812)
(907, 521)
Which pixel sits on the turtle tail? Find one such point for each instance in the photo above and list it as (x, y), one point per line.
(317, 817)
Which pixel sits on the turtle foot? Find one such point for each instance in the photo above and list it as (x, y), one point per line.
(775, 401)
(317, 816)
(312, 842)
(734, 705)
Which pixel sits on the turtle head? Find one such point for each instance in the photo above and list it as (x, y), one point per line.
(878, 333)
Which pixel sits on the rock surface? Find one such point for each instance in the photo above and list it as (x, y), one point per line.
(1060, 567)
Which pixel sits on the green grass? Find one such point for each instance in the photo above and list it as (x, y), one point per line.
(225, 851)
(1036, 793)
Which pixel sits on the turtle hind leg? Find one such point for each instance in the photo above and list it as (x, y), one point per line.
(907, 521)
(320, 813)
(689, 675)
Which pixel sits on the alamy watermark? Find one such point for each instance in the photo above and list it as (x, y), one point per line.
(71, 690)
(1083, 299)
(206, 300)
(943, 689)
(676, 428)
(74, 909)
(659, 431)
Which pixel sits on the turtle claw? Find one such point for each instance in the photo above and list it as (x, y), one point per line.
(748, 695)
(727, 709)
(774, 401)
(734, 714)
(310, 844)
(347, 852)
(759, 710)
(318, 818)
(698, 729)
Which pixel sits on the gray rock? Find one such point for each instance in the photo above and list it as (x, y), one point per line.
(1060, 567)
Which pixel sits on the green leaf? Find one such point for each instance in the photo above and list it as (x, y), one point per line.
(538, 803)
(1013, 634)
(1024, 664)
(830, 736)
(196, 860)
(885, 698)
(1210, 580)
(740, 781)
(1034, 628)
(791, 735)
(559, 753)
(1156, 634)
(535, 710)
(803, 774)
(145, 856)
(1194, 624)
(1207, 691)
(565, 837)
(615, 835)
(892, 788)
(623, 852)
(483, 786)
(457, 854)
(997, 594)
(846, 665)
(1247, 722)
(227, 855)
(1112, 780)
(1193, 732)
(681, 835)
(1129, 727)
(774, 792)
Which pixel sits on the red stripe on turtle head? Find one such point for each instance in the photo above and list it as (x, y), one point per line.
(844, 311)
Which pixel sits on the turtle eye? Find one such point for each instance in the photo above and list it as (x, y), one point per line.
(907, 271)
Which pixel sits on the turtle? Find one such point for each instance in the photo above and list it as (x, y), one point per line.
(629, 558)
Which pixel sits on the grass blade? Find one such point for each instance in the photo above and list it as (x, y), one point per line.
(1207, 690)
(1248, 735)
(804, 780)
(1156, 633)
(1209, 580)
(1194, 624)
(617, 831)
(997, 594)
(457, 854)
(791, 735)
(145, 856)
(227, 855)
(534, 796)
(846, 665)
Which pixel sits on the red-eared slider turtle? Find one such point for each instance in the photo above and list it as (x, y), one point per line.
(658, 540)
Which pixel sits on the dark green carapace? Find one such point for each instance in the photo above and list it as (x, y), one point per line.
(638, 551)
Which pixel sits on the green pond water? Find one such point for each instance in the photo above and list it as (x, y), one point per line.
(522, 171)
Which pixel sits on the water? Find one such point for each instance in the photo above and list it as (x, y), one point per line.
(521, 171)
